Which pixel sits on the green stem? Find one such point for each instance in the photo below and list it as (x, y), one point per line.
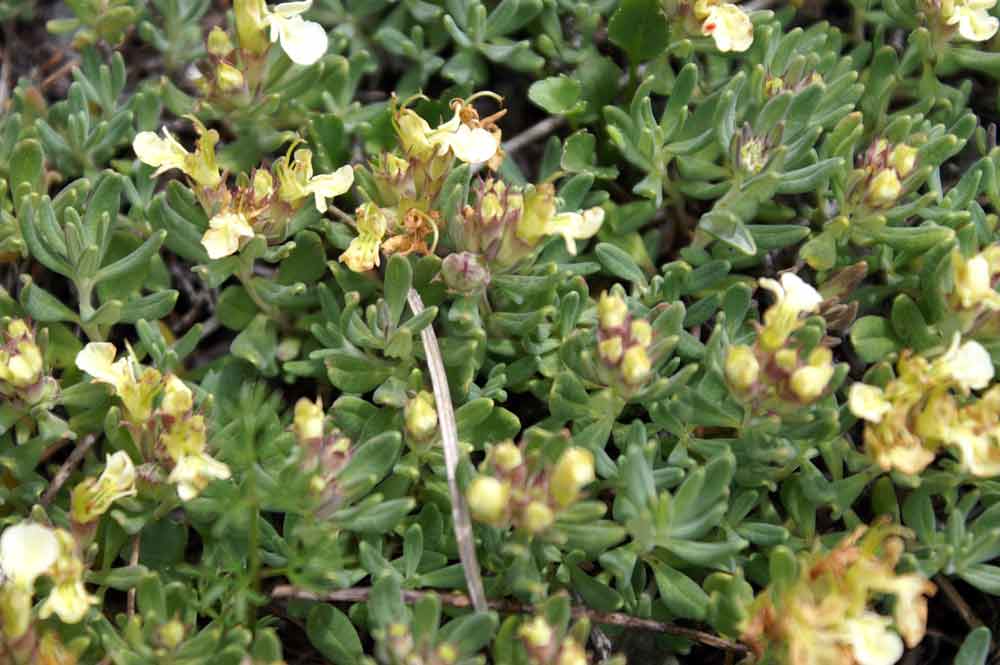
(93, 332)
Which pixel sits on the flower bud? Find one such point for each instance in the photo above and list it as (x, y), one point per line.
(884, 189)
(787, 359)
(488, 499)
(742, 367)
(809, 382)
(572, 472)
(218, 43)
(537, 633)
(250, 26)
(177, 397)
(228, 77)
(21, 362)
(465, 273)
(421, 416)
(171, 634)
(447, 654)
(641, 332)
(571, 653)
(507, 456)
(903, 158)
(537, 517)
(611, 311)
(636, 366)
(611, 349)
(308, 420)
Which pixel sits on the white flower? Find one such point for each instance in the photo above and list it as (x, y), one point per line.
(871, 640)
(27, 550)
(98, 360)
(163, 153)
(972, 18)
(979, 454)
(910, 609)
(969, 364)
(868, 402)
(224, 234)
(729, 26)
(177, 397)
(304, 42)
(193, 473)
(974, 281)
(575, 225)
(69, 601)
(330, 185)
(469, 144)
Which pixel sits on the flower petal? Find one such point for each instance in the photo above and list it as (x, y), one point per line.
(97, 360)
(223, 237)
(304, 42)
(27, 550)
(290, 9)
(330, 185)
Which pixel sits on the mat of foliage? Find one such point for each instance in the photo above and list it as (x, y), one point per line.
(428, 332)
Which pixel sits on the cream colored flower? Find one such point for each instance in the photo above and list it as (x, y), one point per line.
(177, 397)
(972, 18)
(885, 188)
(224, 234)
(793, 298)
(488, 499)
(363, 252)
(136, 393)
(296, 180)
(979, 454)
(330, 185)
(969, 365)
(809, 382)
(166, 153)
(472, 145)
(193, 473)
(309, 417)
(974, 281)
(572, 472)
(304, 42)
(868, 402)
(871, 640)
(540, 219)
(910, 610)
(729, 26)
(93, 497)
(69, 601)
(27, 551)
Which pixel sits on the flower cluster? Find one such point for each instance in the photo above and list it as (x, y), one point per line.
(971, 18)
(544, 646)
(28, 551)
(324, 454)
(776, 371)
(623, 344)
(882, 172)
(827, 613)
(22, 366)
(509, 491)
(173, 434)
(398, 647)
(918, 412)
(261, 203)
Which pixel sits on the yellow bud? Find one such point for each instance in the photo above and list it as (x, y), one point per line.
(488, 499)
(572, 472)
(421, 416)
(25, 367)
(536, 633)
(218, 43)
(171, 634)
(250, 26)
(18, 328)
(537, 517)
(177, 397)
(636, 366)
(903, 158)
(571, 653)
(642, 332)
(820, 356)
(742, 367)
(507, 456)
(611, 311)
(809, 382)
(447, 653)
(885, 188)
(611, 349)
(228, 77)
(787, 359)
(308, 420)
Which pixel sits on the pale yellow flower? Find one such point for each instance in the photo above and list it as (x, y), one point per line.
(885, 188)
(308, 420)
(469, 144)
(974, 281)
(304, 42)
(968, 364)
(27, 551)
(488, 498)
(136, 392)
(972, 18)
(69, 601)
(363, 252)
(166, 153)
(193, 473)
(93, 497)
(729, 26)
(572, 472)
(224, 234)
(868, 402)
(871, 640)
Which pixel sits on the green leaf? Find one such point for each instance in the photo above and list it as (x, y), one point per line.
(398, 280)
(556, 94)
(976, 647)
(873, 338)
(682, 595)
(640, 29)
(42, 305)
(334, 635)
(619, 264)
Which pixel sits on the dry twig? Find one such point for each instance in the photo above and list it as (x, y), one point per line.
(66, 469)
(361, 594)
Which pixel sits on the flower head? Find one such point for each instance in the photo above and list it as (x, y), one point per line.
(27, 551)
(972, 17)
(225, 231)
(794, 297)
(539, 219)
(166, 153)
(308, 419)
(725, 23)
(304, 42)
(868, 402)
(296, 180)
(968, 364)
(194, 472)
(93, 497)
(136, 392)
(572, 472)
(68, 599)
(363, 252)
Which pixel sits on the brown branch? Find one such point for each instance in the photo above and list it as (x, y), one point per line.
(361, 594)
(449, 441)
(956, 600)
(133, 561)
(66, 469)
